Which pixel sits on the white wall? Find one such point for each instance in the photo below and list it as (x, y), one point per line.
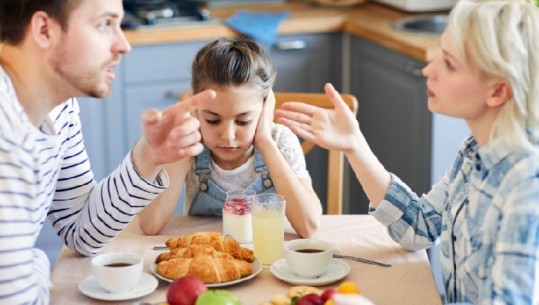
(447, 135)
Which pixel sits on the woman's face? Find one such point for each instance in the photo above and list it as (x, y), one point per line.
(454, 89)
(228, 124)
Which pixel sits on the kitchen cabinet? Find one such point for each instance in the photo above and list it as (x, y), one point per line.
(392, 114)
(304, 63)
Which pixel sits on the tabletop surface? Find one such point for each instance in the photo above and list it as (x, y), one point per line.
(408, 281)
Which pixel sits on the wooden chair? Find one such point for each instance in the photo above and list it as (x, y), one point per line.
(334, 203)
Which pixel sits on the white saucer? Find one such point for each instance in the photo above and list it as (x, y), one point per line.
(89, 287)
(337, 270)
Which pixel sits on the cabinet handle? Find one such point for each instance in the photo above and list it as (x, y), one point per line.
(173, 95)
(291, 45)
(413, 68)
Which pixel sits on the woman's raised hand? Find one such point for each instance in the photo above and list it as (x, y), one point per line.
(329, 128)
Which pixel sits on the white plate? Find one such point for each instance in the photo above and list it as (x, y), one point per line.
(337, 270)
(257, 267)
(89, 287)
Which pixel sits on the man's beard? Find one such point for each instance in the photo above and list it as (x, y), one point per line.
(82, 83)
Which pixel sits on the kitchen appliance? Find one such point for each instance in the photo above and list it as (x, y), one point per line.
(420, 5)
(162, 12)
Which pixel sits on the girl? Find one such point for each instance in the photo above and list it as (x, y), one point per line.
(485, 210)
(243, 149)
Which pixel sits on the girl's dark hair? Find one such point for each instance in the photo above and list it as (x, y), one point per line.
(232, 62)
(15, 16)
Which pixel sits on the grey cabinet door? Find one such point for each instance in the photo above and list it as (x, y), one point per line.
(162, 62)
(392, 114)
(305, 63)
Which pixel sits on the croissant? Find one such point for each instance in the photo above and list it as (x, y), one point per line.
(192, 251)
(217, 240)
(208, 269)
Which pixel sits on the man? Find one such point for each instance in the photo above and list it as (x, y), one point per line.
(52, 51)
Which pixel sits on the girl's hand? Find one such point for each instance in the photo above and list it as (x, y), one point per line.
(263, 129)
(329, 128)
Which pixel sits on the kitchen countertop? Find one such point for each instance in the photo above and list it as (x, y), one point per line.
(370, 21)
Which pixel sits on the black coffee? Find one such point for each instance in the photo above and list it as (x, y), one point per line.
(118, 265)
(309, 250)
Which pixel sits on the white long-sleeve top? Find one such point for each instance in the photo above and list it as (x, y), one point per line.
(44, 173)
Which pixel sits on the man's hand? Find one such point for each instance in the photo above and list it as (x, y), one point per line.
(169, 135)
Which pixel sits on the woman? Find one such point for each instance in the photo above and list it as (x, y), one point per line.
(485, 211)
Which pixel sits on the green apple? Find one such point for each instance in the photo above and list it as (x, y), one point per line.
(218, 297)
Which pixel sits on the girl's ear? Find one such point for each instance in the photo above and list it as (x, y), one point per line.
(500, 93)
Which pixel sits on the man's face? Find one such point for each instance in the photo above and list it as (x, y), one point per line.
(84, 56)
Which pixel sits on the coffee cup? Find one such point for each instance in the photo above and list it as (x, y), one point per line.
(308, 258)
(117, 272)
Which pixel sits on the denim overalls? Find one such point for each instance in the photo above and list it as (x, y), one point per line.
(211, 197)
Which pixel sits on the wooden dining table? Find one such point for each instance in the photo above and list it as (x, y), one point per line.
(408, 281)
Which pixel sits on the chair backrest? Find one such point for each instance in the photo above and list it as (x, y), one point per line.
(334, 203)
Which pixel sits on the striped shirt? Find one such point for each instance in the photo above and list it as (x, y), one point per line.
(485, 214)
(44, 173)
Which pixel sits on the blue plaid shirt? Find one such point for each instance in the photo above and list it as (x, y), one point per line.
(485, 214)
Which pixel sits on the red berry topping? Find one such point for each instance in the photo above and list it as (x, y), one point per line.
(237, 206)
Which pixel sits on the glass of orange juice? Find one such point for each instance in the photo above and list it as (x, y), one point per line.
(267, 211)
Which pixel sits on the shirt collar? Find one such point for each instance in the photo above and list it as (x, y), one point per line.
(494, 152)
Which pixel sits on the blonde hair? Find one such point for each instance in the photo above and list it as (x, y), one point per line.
(501, 38)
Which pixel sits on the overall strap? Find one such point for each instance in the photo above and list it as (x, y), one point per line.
(203, 168)
(260, 167)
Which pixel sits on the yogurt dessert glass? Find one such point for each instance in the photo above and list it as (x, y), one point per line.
(237, 220)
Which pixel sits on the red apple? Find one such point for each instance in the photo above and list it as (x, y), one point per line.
(326, 295)
(310, 299)
(185, 290)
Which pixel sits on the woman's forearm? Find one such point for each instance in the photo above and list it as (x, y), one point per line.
(372, 175)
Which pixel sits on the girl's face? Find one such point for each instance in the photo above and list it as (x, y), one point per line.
(228, 124)
(454, 89)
